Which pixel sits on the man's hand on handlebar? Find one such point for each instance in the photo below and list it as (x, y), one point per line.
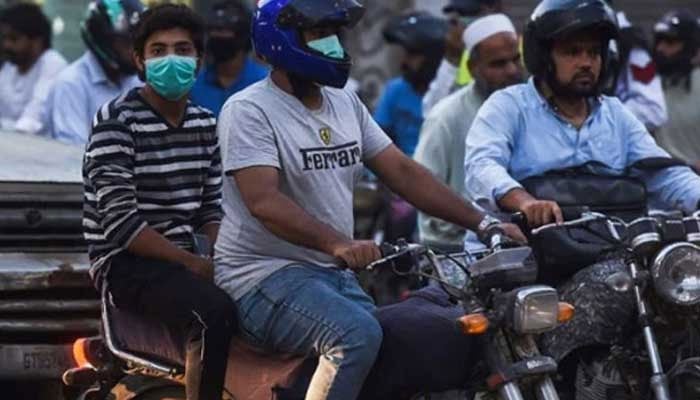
(541, 212)
(357, 254)
(509, 232)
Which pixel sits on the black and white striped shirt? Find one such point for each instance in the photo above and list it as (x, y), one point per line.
(140, 171)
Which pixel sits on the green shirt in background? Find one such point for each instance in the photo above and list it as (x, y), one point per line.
(441, 150)
(681, 135)
(464, 77)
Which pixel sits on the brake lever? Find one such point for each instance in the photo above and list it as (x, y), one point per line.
(394, 252)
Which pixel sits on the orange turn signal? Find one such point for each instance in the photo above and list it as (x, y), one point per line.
(473, 324)
(566, 312)
(79, 354)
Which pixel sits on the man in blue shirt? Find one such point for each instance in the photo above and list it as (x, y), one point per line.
(559, 120)
(101, 74)
(229, 68)
(399, 111)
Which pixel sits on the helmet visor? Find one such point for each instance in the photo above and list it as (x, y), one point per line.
(307, 14)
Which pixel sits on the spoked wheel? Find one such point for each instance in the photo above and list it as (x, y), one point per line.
(600, 379)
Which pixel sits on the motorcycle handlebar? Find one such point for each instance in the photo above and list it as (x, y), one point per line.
(393, 251)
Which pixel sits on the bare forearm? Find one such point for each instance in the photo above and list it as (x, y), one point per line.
(418, 186)
(151, 244)
(284, 218)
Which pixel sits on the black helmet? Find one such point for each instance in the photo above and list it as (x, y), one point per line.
(231, 15)
(467, 7)
(417, 32)
(105, 21)
(554, 19)
(678, 24)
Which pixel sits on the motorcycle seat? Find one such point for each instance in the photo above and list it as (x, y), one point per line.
(137, 336)
(252, 374)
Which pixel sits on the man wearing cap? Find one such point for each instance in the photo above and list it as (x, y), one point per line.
(494, 62)
(229, 68)
(453, 71)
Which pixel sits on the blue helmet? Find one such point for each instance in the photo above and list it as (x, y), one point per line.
(277, 27)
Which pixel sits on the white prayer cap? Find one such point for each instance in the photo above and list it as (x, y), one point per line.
(485, 27)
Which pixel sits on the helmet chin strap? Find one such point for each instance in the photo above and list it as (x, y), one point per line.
(301, 87)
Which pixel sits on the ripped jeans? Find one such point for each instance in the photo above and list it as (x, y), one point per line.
(198, 310)
(309, 310)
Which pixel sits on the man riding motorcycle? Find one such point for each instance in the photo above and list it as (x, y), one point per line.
(293, 146)
(559, 119)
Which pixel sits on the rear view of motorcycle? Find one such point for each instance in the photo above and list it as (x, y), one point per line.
(637, 330)
(502, 308)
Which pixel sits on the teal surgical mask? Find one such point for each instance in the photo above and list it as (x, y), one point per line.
(171, 76)
(328, 46)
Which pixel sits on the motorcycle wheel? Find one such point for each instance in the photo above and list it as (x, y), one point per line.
(600, 379)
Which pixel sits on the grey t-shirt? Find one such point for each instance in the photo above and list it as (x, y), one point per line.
(319, 154)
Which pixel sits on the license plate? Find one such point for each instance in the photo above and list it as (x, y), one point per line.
(34, 361)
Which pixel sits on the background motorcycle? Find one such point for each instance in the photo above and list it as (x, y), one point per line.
(637, 332)
(382, 217)
(129, 362)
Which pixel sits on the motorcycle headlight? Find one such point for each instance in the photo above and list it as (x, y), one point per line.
(536, 309)
(676, 273)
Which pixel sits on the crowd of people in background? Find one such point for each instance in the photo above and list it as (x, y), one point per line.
(446, 74)
(42, 94)
(654, 74)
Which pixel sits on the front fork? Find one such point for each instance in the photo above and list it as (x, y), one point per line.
(497, 357)
(659, 380)
(544, 389)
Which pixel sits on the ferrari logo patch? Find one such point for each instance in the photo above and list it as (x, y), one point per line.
(325, 135)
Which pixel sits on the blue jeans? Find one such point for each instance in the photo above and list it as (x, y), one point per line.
(307, 310)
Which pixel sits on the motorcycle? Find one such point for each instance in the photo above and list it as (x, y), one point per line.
(637, 330)
(138, 359)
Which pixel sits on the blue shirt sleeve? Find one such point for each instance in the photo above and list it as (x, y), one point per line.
(384, 111)
(671, 188)
(489, 147)
(67, 112)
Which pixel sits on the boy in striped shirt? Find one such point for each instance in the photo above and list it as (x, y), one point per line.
(152, 173)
